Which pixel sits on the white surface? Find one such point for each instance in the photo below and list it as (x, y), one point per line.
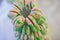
(6, 27)
(51, 8)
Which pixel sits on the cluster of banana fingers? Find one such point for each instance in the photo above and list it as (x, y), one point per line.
(29, 21)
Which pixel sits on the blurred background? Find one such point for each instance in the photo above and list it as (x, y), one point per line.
(51, 8)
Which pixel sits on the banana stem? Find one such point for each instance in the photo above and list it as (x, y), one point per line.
(31, 4)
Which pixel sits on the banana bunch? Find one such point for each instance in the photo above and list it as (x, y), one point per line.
(29, 21)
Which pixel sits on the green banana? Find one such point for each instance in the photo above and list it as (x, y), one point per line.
(41, 21)
(37, 27)
(46, 25)
(28, 30)
(43, 17)
(40, 38)
(31, 36)
(43, 32)
(19, 29)
(32, 28)
(23, 31)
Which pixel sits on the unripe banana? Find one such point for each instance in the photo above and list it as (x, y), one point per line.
(31, 37)
(29, 21)
(19, 21)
